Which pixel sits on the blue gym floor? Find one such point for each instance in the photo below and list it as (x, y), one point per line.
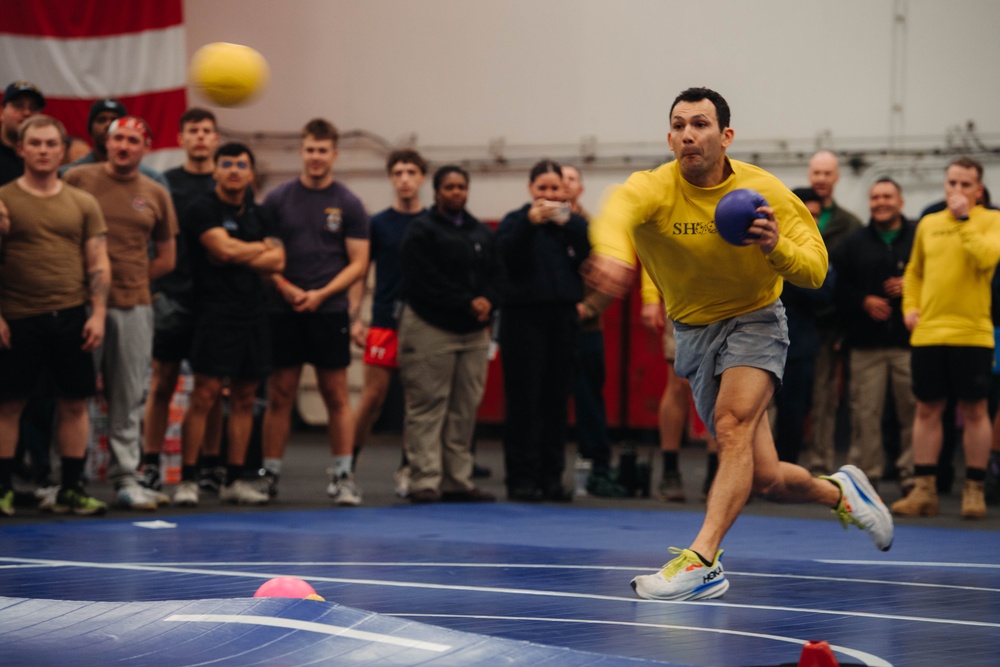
(485, 584)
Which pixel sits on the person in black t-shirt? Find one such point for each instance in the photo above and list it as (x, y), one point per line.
(173, 301)
(230, 252)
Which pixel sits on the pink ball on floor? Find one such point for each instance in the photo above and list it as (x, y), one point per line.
(286, 587)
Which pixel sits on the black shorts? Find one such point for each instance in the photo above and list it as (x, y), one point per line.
(236, 350)
(45, 357)
(950, 371)
(173, 329)
(320, 339)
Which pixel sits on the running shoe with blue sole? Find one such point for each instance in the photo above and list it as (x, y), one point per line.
(683, 578)
(860, 505)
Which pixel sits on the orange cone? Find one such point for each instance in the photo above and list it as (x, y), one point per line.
(817, 654)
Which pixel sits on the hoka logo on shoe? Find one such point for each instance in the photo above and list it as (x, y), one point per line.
(711, 576)
(693, 566)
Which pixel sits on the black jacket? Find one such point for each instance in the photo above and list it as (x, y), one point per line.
(863, 262)
(542, 261)
(445, 267)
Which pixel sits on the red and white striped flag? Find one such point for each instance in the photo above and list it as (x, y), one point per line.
(79, 51)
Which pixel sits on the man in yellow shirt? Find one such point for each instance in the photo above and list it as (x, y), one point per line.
(946, 307)
(729, 326)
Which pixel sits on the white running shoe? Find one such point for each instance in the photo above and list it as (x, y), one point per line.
(46, 496)
(683, 578)
(134, 497)
(401, 481)
(186, 494)
(343, 490)
(242, 493)
(860, 504)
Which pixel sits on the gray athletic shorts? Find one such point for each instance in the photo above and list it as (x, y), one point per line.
(758, 339)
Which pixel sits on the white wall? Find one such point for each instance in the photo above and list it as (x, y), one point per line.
(545, 75)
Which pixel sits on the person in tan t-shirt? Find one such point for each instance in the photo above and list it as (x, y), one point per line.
(137, 210)
(55, 262)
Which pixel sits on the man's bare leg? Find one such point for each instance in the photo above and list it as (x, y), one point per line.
(340, 429)
(10, 425)
(743, 397)
(72, 427)
(376, 388)
(282, 389)
(340, 422)
(162, 385)
(748, 460)
(242, 396)
(203, 397)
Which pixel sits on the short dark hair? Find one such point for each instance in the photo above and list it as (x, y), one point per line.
(235, 149)
(442, 172)
(406, 156)
(807, 195)
(196, 115)
(321, 128)
(967, 163)
(887, 179)
(699, 94)
(544, 167)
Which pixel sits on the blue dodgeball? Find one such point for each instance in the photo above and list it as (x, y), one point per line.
(735, 212)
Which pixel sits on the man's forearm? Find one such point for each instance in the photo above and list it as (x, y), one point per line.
(99, 284)
(272, 260)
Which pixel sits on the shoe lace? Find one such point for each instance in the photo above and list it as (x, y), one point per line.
(843, 511)
(671, 568)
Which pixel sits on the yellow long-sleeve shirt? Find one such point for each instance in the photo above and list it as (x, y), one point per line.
(948, 278)
(670, 225)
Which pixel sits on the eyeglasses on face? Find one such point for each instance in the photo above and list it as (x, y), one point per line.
(229, 164)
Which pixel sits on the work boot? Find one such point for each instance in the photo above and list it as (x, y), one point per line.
(973, 500)
(922, 501)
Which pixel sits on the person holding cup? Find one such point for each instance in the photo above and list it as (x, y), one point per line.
(542, 245)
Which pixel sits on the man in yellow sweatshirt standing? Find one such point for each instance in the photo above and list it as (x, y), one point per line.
(946, 307)
(729, 323)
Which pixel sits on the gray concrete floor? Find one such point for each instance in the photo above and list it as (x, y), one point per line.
(304, 479)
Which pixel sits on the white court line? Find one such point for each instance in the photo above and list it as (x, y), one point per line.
(335, 630)
(137, 567)
(609, 568)
(908, 563)
(869, 659)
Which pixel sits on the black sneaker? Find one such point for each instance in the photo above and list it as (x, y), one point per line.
(210, 480)
(153, 484)
(992, 485)
(557, 493)
(602, 486)
(267, 482)
(151, 477)
(78, 502)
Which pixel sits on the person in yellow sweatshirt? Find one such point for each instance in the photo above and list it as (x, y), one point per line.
(946, 307)
(729, 326)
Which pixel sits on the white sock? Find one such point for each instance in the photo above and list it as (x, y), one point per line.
(273, 466)
(342, 465)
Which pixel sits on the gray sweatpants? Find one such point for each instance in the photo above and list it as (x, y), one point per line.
(123, 359)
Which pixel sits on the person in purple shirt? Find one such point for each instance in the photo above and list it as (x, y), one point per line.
(325, 231)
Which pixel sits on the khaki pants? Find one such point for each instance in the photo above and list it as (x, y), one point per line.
(871, 371)
(443, 375)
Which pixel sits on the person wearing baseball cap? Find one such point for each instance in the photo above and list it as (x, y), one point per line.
(21, 100)
(102, 113)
